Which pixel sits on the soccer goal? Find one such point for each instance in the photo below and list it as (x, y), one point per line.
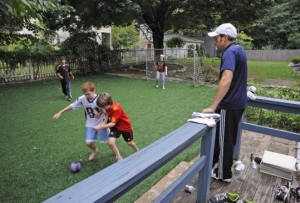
(182, 64)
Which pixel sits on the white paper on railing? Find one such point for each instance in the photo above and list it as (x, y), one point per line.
(207, 121)
(205, 115)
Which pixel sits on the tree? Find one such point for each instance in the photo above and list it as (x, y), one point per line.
(24, 10)
(244, 40)
(281, 31)
(124, 37)
(163, 15)
(18, 14)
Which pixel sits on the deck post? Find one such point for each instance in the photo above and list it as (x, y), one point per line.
(207, 149)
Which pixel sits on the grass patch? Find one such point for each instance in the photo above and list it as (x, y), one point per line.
(36, 150)
(261, 71)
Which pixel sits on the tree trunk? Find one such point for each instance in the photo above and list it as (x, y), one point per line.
(158, 42)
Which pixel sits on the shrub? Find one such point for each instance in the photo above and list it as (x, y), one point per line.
(275, 119)
(296, 60)
(175, 42)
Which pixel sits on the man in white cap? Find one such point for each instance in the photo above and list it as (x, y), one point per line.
(230, 99)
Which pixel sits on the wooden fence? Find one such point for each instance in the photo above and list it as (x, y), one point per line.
(272, 55)
(25, 71)
(29, 70)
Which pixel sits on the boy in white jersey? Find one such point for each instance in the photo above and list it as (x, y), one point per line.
(94, 116)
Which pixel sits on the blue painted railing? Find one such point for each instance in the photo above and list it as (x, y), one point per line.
(281, 105)
(112, 182)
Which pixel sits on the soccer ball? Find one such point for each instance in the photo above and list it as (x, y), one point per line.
(75, 167)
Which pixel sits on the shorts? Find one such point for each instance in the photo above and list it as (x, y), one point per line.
(127, 136)
(91, 135)
(160, 75)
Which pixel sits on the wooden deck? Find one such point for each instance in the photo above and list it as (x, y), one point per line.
(251, 184)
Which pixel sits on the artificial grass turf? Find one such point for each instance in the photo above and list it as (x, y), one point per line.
(36, 150)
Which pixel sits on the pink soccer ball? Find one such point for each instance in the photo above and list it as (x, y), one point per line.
(75, 167)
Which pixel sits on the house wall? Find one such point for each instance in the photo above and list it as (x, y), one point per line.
(210, 46)
(103, 36)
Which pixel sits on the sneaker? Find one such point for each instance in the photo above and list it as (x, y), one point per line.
(156, 86)
(295, 192)
(282, 192)
(224, 197)
(227, 180)
(215, 176)
(69, 99)
(164, 88)
(239, 166)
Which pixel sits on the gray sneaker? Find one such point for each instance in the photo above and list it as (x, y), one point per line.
(224, 197)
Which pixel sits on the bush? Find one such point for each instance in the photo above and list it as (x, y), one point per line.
(175, 42)
(210, 74)
(275, 119)
(296, 60)
(83, 49)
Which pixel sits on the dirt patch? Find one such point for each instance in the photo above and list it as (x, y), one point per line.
(175, 71)
(279, 82)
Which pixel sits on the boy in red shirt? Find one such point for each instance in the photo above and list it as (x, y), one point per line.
(119, 123)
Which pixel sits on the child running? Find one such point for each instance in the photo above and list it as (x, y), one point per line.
(119, 124)
(94, 116)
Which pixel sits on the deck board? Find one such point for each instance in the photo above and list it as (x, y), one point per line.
(251, 184)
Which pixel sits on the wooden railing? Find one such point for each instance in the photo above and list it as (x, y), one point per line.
(112, 182)
(281, 105)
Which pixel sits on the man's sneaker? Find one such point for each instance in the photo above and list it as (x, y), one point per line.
(215, 176)
(224, 197)
(227, 180)
(214, 173)
(156, 86)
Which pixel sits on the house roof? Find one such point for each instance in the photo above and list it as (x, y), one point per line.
(187, 39)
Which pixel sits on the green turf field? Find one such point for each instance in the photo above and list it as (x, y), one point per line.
(36, 150)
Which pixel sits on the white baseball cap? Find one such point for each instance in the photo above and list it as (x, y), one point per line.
(224, 29)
